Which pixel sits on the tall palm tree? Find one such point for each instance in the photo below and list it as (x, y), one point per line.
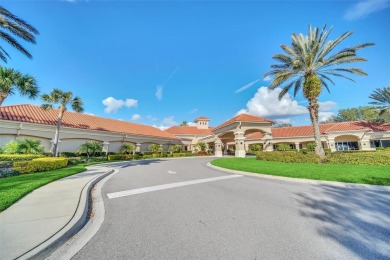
(382, 99)
(310, 63)
(63, 99)
(17, 27)
(12, 80)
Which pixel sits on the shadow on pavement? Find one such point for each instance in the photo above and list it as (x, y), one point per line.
(133, 163)
(356, 218)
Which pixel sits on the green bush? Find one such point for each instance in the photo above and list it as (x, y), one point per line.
(372, 158)
(179, 154)
(328, 151)
(67, 154)
(147, 156)
(6, 164)
(40, 165)
(19, 157)
(8, 173)
(288, 157)
(202, 153)
(120, 157)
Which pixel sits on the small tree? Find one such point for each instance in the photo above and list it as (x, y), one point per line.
(311, 146)
(283, 147)
(91, 148)
(201, 146)
(176, 149)
(255, 147)
(156, 148)
(127, 148)
(24, 146)
(381, 99)
(184, 123)
(30, 146)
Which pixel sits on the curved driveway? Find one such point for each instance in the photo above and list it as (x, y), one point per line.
(235, 218)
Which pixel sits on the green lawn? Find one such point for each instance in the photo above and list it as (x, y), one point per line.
(378, 175)
(14, 188)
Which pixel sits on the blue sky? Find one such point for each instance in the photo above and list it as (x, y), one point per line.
(162, 62)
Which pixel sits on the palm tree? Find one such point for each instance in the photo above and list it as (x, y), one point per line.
(30, 146)
(382, 99)
(18, 27)
(91, 148)
(310, 63)
(63, 99)
(127, 148)
(12, 80)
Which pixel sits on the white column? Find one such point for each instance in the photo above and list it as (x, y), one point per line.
(332, 144)
(239, 138)
(138, 147)
(218, 147)
(105, 147)
(297, 146)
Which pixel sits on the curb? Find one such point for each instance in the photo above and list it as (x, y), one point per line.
(79, 219)
(307, 181)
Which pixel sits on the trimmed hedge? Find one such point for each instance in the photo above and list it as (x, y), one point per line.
(19, 157)
(288, 157)
(368, 158)
(40, 165)
(120, 157)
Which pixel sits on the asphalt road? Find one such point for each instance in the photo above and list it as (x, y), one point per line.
(236, 218)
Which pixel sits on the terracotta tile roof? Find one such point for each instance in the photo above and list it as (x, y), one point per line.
(244, 118)
(359, 125)
(188, 130)
(202, 118)
(296, 131)
(37, 115)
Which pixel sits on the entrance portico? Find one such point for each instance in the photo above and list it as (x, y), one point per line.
(235, 130)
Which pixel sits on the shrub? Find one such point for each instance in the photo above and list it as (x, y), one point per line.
(127, 148)
(156, 155)
(67, 154)
(369, 158)
(255, 148)
(179, 154)
(176, 148)
(8, 173)
(202, 153)
(19, 157)
(328, 151)
(311, 146)
(283, 147)
(155, 148)
(120, 157)
(201, 146)
(24, 146)
(40, 165)
(147, 156)
(76, 160)
(288, 157)
(6, 164)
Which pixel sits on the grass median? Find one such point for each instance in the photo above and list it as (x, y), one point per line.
(14, 188)
(364, 174)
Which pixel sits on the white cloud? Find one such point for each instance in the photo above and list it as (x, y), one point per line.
(364, 8)
(323, 116)
(136, 117)
(246, 86)
(283, 121)
(193, 111)
(327, 105)
(167, 122)
(191, 124)
(267, 78)
(159, 92)
(112, 104)
(131, 102)
(87, 113)
(151, 118)
(266, 104)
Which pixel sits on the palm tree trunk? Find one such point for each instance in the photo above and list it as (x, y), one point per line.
(57, 135)
(3, 96)
(313, 110)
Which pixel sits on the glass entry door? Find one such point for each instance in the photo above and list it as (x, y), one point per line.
(345, 146)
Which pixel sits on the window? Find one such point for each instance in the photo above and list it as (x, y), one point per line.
(345, 146)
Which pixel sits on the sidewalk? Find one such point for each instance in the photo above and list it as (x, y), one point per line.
(47, 215)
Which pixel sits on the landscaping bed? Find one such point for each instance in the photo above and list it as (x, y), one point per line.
(364, 174)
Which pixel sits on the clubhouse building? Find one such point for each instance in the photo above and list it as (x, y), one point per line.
(234, 135)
